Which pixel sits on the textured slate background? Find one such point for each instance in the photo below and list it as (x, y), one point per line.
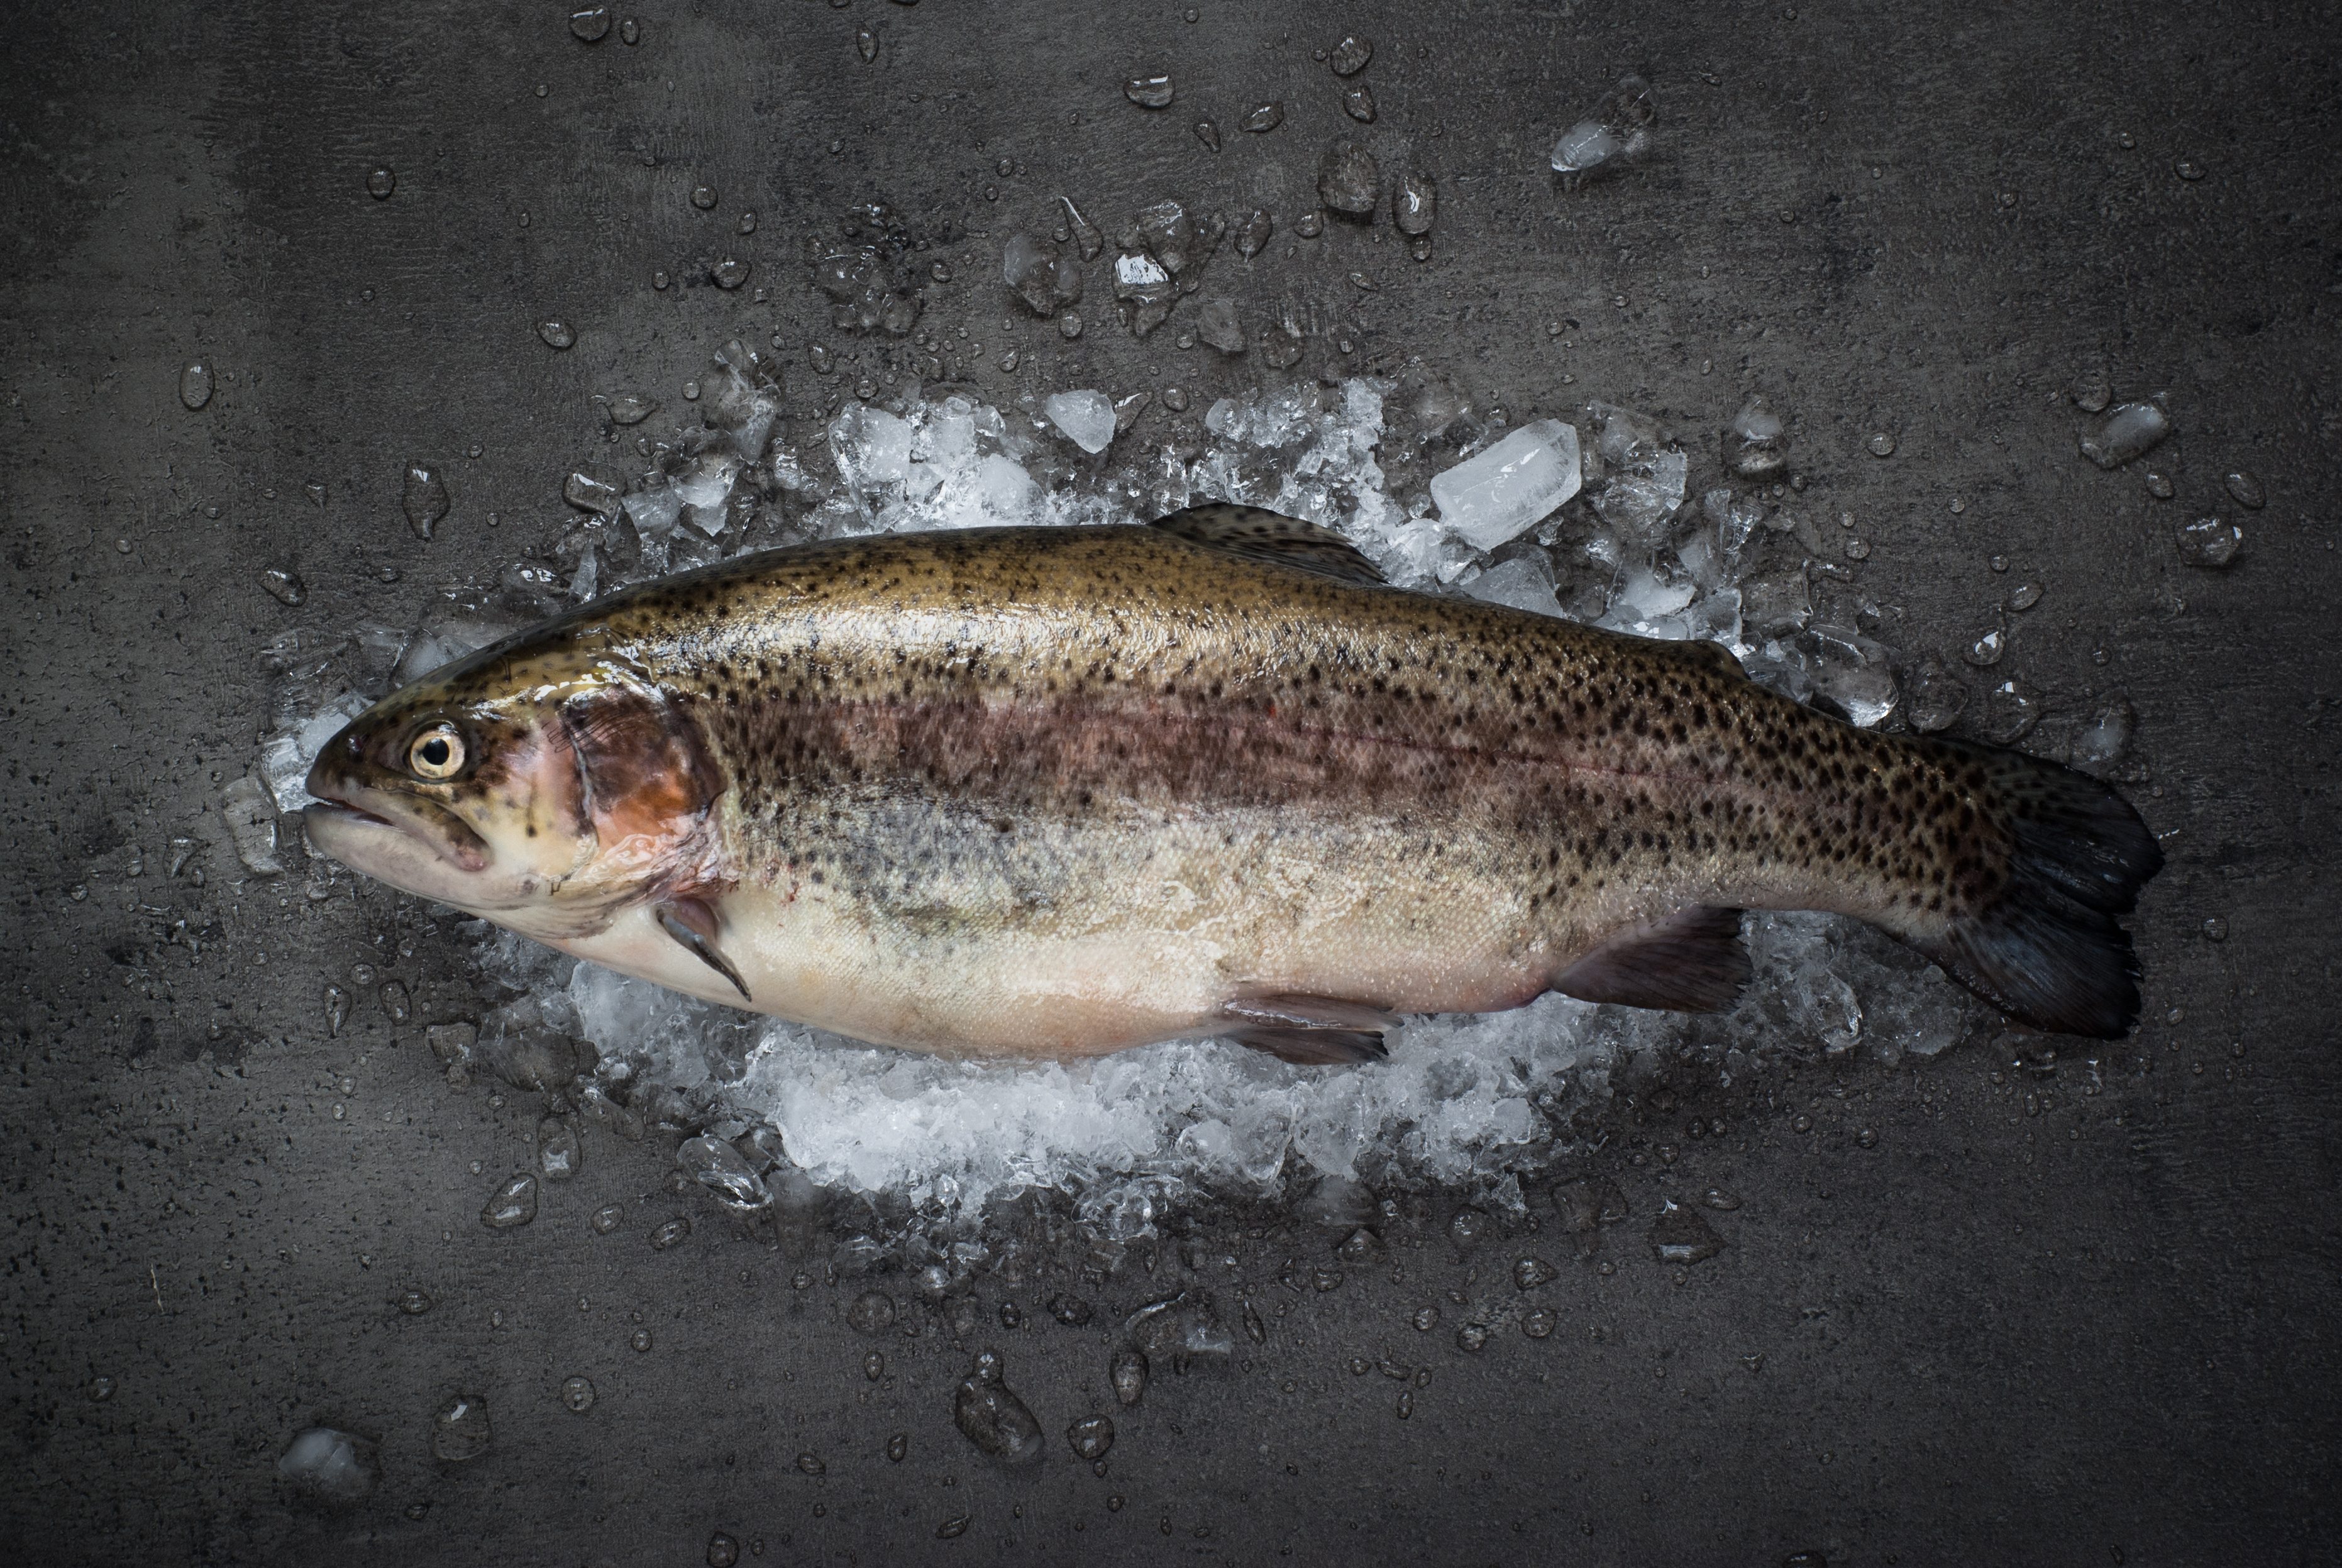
(2085, 1319)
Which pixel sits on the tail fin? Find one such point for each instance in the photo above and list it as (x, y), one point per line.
(2047, 949)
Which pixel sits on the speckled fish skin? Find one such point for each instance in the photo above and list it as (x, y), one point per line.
(1055, 792)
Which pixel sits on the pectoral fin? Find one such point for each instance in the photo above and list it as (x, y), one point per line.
(692, 922)
(1311, 1031)
(1689, 961)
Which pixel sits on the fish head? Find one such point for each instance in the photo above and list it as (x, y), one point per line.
(542, 789)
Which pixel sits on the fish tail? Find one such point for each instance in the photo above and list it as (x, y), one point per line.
(2044, 946)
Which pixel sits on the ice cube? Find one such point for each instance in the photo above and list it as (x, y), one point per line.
(251, 817)
(1512, 487)
(336, 1466)
(872, 447)
(1525, 583)
(1617, 132)
(655, 512)
(1756, 442)
(1006, 489)
(1852, 672)
(2129, 430)
(2210, 543)
(1041, 275)
(1641, 499)
(1086, 417)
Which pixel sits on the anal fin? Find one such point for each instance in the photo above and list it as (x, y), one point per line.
(1310, 1031)
(692, 923)
(1691, 960)
(1312, 1047)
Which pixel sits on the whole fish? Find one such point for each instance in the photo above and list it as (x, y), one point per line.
(1055, 792)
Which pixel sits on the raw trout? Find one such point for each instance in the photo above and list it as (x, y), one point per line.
(1055, 792)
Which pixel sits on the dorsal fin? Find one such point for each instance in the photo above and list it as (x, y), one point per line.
(1259, 535)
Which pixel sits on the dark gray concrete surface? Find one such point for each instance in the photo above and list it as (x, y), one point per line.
(2086, 1319)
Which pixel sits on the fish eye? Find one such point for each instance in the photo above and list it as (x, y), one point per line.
(436, 754)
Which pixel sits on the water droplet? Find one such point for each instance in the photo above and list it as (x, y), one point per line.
(1280, 346)
(951, 1529)
(515, 1203)
(1350, 55)
(1427, 1319)
(865, 44)
(1174, 398)
(1261, 119)
(2215, 929)
(1530, 1273)
(2024, 596)
(874, 1366)
(1405, 1404)
(898, 1446)
(1009, 363)
(394, 1001)
(811, 1463)
(660, 280)
(577, 1393)
(704, 197)
(195, 384)
(1857, 549)
(1208, 134)
(730, 273)
(2247, 488)
(556, 333)
(380, 183)
(668, 1232)
(873, 1311)
(1253, 233)
(2188, 169)
(1987, 650)
(1472, 1337)
(1358, 102)
(459, 1429)
(1148, 92)
(592, 24)
(413, 1303)
(425, 499)
(2092, 389)
(1882, 444)
(1069, 325)
(1540, 1324)
(101, 1389)
(1011, 1315)
(1091, 1437)
(1959, 504)
(630, 32)
(1127, 1372)
(723, 1551)
(2211, 543)
(989, 1414)
(640, 1340)
(691, 391)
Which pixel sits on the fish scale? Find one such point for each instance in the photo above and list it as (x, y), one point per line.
(1058, 791)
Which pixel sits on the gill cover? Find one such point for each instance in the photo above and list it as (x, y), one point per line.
(647, 784)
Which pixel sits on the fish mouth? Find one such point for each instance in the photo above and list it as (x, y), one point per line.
(336, 819)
